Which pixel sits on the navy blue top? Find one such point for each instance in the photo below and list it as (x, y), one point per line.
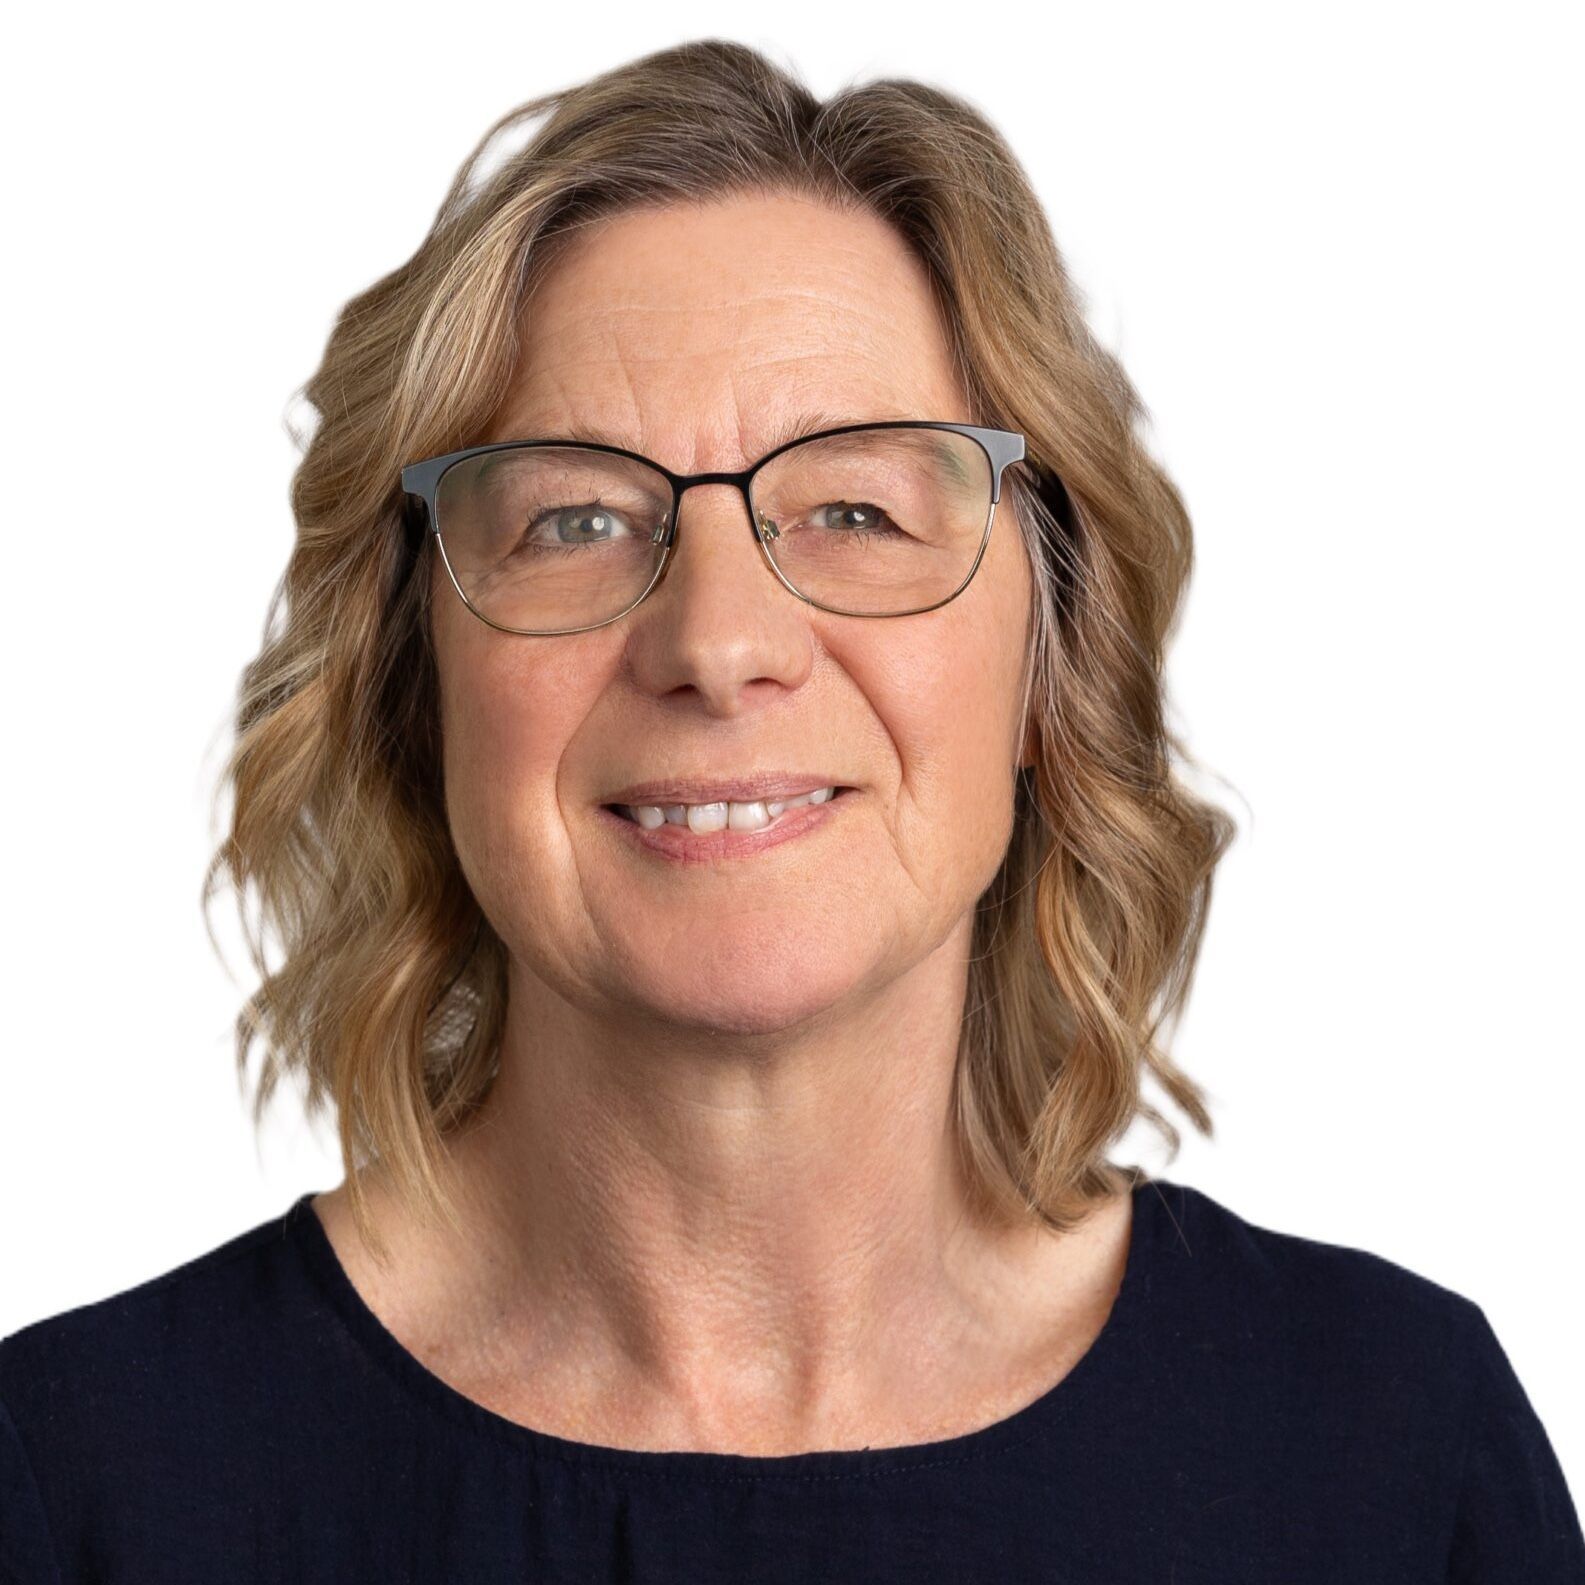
(1259, 1407)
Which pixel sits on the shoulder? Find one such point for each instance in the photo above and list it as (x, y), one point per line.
(1285, 1276)
(177, 1361)
(200, 1300)
(1329, 1379)
(1322, 1333)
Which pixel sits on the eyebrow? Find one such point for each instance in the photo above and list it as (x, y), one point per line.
(790, 426)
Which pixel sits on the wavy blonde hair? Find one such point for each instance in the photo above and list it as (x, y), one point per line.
(390, 993)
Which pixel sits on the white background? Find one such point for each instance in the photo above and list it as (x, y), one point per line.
(1337, 251)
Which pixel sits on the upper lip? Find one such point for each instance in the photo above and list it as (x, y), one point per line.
(760, 787)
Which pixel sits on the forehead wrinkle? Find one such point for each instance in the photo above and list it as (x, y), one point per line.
(800, 402)
(786, 426)
(840, 324)
(827, 300)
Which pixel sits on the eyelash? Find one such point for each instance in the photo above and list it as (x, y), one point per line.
(860, 534)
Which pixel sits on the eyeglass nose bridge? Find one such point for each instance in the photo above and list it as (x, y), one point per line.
(682, 482)
(763, 531)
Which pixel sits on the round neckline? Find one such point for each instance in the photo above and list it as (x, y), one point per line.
(1082, 1379)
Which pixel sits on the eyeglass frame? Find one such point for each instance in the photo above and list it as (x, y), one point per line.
(1002, 448)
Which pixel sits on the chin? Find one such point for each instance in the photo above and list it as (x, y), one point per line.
(745, 993)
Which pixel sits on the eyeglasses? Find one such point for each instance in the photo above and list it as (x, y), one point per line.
(552, 536)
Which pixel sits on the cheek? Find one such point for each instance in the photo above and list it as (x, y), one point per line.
(949, 694)
(945, 700)
(507, 716)
(957, 683)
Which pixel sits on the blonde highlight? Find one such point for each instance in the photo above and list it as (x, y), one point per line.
(388, 1001)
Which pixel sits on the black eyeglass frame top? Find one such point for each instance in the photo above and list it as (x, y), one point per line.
(1002, 448)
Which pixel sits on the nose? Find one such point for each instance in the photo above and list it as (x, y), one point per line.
(720, 626)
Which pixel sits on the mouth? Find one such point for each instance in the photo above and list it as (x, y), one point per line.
(702, 833)
(701, 819)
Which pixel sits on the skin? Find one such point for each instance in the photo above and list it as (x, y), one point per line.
(711, 1201)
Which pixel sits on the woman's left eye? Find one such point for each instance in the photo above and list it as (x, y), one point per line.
(873, 519)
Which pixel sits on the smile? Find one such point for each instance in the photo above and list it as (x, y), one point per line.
(702, 818)
(703, 833)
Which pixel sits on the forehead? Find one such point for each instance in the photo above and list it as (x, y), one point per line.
(703, 332)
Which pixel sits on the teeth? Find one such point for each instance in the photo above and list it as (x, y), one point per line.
(707, 817)
(700, 818)
(747, 817)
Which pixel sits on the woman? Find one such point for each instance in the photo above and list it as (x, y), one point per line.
(730, 955)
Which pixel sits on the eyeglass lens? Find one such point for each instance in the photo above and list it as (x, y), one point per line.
(872, 522)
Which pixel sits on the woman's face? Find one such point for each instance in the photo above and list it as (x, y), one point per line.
(690, 336)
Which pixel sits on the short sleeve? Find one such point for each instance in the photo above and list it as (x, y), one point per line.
(27, 1554)
(1515, 1519)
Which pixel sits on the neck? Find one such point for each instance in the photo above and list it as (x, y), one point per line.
(769, 1231)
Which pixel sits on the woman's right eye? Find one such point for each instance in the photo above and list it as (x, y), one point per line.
(569, 526)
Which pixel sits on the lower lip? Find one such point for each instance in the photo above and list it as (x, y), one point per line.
(683, 846)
